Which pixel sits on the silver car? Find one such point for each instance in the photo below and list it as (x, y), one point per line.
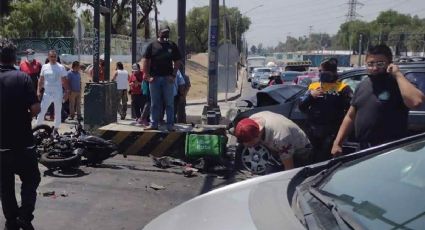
(260, 73)
(378, 188)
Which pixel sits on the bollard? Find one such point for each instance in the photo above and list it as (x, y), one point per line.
(211, 118)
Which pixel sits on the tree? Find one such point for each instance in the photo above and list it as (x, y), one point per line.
(253, 49)
(121, 10)
(39, 18)
(197, 25)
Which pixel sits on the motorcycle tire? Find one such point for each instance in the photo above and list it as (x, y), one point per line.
(53, 160)
(97, 157)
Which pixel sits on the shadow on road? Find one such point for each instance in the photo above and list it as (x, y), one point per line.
(65, 173)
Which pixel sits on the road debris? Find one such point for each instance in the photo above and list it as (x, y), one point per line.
(156, 187)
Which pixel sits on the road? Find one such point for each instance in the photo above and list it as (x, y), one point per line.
(116, 195)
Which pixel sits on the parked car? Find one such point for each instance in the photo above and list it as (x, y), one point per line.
(377, 188)
(307, 78)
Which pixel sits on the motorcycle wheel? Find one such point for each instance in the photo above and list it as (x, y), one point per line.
(254, 159)
(97, 157)
(59, 159)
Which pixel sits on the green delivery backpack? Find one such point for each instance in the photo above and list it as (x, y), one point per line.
(202, 145)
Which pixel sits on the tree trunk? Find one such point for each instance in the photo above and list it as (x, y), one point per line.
(147, 28)
(156, 18)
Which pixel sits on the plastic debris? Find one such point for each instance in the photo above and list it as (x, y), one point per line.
(190, 172)
(156, 187)
(49, 193)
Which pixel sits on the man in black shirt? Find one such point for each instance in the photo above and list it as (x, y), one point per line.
(380, 105)
(161, 62)
(18, 105)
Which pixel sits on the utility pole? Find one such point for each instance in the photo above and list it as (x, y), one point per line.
(181, 31)
(133, 31)
(360, 50)
(310, 30)
(108, 22)
(351, 16)
(213, 37)
(96, 40)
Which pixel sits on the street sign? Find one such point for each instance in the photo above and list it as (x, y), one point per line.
(228, 57)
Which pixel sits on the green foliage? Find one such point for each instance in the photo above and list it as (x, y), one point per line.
(197, 25)
(38, 18)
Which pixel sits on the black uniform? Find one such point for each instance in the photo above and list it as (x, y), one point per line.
(324, 115)
(381, 115)
(17, 155)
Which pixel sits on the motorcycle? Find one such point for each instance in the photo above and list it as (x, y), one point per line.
(71, 149)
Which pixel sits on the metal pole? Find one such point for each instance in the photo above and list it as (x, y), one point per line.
(181, 31)
(133, 31)
(79, 37)
(212, 54)
(108, 22)
(96, 40)
(360, 50)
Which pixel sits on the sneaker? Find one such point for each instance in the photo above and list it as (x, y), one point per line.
(151, 128)
(122, 117)
(144, 122)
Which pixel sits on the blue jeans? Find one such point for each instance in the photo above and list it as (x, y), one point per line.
(162, 92)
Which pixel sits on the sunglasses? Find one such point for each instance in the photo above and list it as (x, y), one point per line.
(379, 64)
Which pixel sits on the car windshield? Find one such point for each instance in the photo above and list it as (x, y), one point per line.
(264, 70)
(386, 191)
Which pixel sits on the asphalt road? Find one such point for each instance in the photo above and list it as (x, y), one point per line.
(116, 195)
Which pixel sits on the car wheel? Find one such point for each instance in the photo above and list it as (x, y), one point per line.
(254, 159)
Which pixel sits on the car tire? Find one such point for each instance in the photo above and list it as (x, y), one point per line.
(255, 162)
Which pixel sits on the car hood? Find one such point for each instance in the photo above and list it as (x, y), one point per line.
(258, 203)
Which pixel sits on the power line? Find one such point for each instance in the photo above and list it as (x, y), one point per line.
(352, 10)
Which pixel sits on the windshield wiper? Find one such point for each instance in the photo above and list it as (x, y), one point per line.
(345, 220)
(325, 173)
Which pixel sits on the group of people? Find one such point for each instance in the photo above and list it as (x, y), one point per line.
(157, 89)
(377, 111)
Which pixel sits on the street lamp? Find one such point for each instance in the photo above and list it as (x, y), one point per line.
(237, 22)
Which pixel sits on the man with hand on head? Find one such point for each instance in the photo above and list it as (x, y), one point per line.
(380, 105)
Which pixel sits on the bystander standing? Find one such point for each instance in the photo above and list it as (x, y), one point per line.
(122, 78)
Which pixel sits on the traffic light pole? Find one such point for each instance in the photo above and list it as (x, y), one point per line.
(212, 111)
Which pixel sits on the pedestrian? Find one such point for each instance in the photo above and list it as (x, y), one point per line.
(135, 82)
(53, 77)
(179, 91)
(101, 70)
(277, 133)
(325, 104)
(161, 61)
(18, 104)
(146, 112)
(74, 79)
(181, 103)
(122, 78)
(32, 67)
(381, 102)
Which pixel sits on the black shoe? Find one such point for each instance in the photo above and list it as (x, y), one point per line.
(122, 117)
(25, 224)
(11, 225)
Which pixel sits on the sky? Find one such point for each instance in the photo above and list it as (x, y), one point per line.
(277, 19)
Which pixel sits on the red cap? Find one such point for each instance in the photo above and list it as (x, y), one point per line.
(246, 130)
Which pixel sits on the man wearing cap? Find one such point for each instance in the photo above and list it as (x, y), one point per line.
(161, 62)
(276, 132)
(325, 104)
(31, 66)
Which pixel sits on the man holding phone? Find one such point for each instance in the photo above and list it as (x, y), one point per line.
(380, 105)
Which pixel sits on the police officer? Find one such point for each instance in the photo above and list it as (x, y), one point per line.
(18, 104)
(325, 104)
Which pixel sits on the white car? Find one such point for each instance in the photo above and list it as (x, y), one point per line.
(378, 188)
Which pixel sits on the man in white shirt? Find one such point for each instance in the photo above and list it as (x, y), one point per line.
(121, 76)
(52, 79)
(276, 132)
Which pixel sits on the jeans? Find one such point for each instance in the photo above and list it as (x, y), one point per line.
(23, 163)
(162, 91)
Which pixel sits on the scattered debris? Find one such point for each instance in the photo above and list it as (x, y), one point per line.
(156, 187)
(189, 171)
(64, 194)
(161, 162)
(49, 193)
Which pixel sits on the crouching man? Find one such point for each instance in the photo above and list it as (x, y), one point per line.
(276, 132)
